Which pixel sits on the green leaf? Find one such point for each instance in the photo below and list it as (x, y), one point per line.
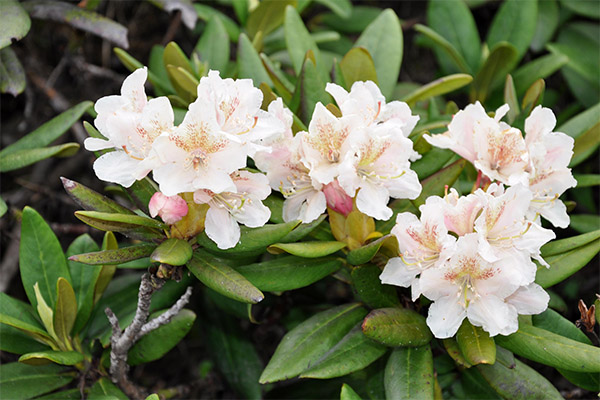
(397, 327)
(371, 291)
(431, 162)
(310, 90)
(15, 22)
(253, 241)
(307, 249)
(223, 279)
(158, 342)
(52, 356)
(241, 9)
(510, 98)
(551, 349)
(12, 74)
(357, 65)
(250, 64)
(514, 23)
(302, 230)
(213, 45)
(500, 61)
(134, 226)
(354, 352)
(547, 22)
(184, 82)
(18, 342)
(580, 123)
(566, 264)
(281, 85)
(21, 381)
(434, 185)
(157, 68)
(84, 278)
(288, 272)
(173, 55)
(453, 21)
(65, 311)
(23, 158)
(46, 314)
(445, 46)
(366, 253)
(517, 381)
(116, 256)
(585, 8)
(173, 252)
(357, 22)
(132, 64)
(585, 180)
(348, 393)
(409, 374)
(109, 242)
(141, 192)
(564, 245)
(266, 17)
(533, 96)
(105, 389)
(451, 346)
(383, 40)
(17, 314)
(298, 40)
(41, 258)
(79, 18)
(205, 13)
(3, 207)
(310, 340)
(585, 223)
(475, 344)
(342, 8)
(540, 68)
(438, 87)
(586, 145)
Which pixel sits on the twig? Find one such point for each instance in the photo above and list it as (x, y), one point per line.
(121, 341)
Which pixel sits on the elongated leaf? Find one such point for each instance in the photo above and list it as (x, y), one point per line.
(354, 352)
(103, 389)
(500, 61)
(298, 40)
(213, 45)
(514, 23)
(206, 12)
(547, 22)
(23, 158)
(12, 74)
(397, 327)
(453, 21)
(92, 200)
(533, 96)
(307, 249)
(15, 22)
(566, 264)
(173, 252)
(173, 55)
(358, 65)
(109, 242)
(267, 17)
(18, 342)
(65, 310)
(409, 374)
(563, 245)
(451, 346)
(540, 68)
(510, 98)
(21, 381)
(310, 89)
(113, 257)
(302, 230)
(370, 289)
(157, 343)
(587, 180)
(310, 340)
(585, 223)
(134, 226)
(475, 344)
(383, 40)
(587, 9)
(438, 87)
(19, 315)
(223, 279)
(434, 185)
(52, 356)
(586, 145)
(3, 207)
(132, 64)
(359, 19)
(366, 253)
(281, 84)
(250, 64)
(41, 258)
(431, 162)
(445, 48)
(141, 192)
(551, 349)
(289, 272)
(581, 123)
(184, 82)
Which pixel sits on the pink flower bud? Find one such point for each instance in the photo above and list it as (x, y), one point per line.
(170, 208)
(337, 199)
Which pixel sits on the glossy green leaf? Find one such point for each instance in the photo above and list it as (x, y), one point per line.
(302, 230)
(547, 22)
(434, 185)
(288, 272)
(79, 18)
(134, 226)
(586, 145)
(113, 257)
(397, 327)
(206, 12)
(21, 381)
(353, 353)
(383, 40)
(184, 82)
(65, 310)
(540, 68)
(15, 22)
(307, 249)
(501, 59)
(409, 374)
(213, 45)
(514, 23)
(587, 180)
(357, 65)
(155, 396)
(158, 342)
(12, 73)
(250, 64)
(551, 349)
(298, 40)
(564, 265)
(451, 346)
(92, 200)
(310, 340)
(17, 341)
(564, 245)
(581, 123)
(109, 242)
(41, 258)
(453, 21)
(105, 389)
(17, 314)
(348, 393)
(438, 87)
(310, 89)
(173, 252)
(475, 344)
(366, 253)
(369, 288)
(173, 55)
(431, 162)
(252, 240)
(444, 48)
(222, 278)
(518, 381)
(84, 279)
(267, 17)
(52, 356)
(23, 158)
(510, 98)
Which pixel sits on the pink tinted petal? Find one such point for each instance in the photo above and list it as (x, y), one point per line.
(337, 199)
(170, 208)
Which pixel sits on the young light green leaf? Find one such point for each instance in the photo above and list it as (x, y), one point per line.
(371, 291)
(397, 327)
(23, 158)
(357, 65)
(298, 40)
(348, 393)
(500, 61)
(19, 315)
(15, 22)
(438, 87)
(267, 17)
(45, 313)
(184, 82)
(310, 340)
(540, 68)
(434, 185)
(173, 252)
(447, 48)
(222, 278)
(12, 74)
(307, 249)
(353, 353)
(213, 45)
(21, 381)
(52, 356)
(288, 272)
(249, 62)
(409, 374)
(65, 311)
(173, 55)
(92, 200)
(475, 344)
(514, 23)
(383, 40)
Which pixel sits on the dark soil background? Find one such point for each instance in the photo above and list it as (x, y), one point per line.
(65, 66)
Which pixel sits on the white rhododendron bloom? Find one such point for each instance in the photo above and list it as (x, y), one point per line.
(131, 124)
(229, 209)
